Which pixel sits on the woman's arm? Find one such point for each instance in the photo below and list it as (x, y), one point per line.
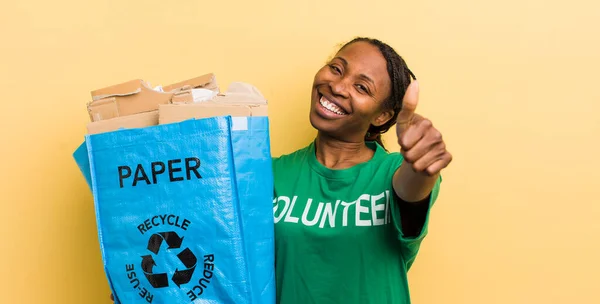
(411, 186)
(425, 155)
(413, 191)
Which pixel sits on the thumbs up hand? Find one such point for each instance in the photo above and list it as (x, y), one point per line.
(421, 144)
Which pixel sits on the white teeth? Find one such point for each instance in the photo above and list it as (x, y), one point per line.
(331, 106)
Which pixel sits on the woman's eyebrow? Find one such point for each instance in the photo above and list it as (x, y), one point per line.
(344, 61)
(361, 76)
(367, 78)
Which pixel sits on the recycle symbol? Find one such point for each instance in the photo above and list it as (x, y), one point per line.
(187, 258)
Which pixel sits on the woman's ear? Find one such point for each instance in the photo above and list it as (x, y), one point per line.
(383, 118)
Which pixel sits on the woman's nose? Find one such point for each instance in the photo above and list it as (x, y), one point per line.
(339, 87)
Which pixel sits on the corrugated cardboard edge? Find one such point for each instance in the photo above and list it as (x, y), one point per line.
(94, 108)
(207, 81)
(141, 120)
(121, 89)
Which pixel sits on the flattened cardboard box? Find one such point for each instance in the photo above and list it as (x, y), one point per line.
(173, 113)
(128, 98)
(136, 96)
(141, 120)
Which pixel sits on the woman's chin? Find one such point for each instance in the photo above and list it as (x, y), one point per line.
(324, 125)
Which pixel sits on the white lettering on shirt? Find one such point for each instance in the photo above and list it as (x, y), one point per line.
(377, 221)
(288, 217)
(345, 216)
(315, 219)
(329, 214)
(280, 199)
(362, 209)
(369, 210)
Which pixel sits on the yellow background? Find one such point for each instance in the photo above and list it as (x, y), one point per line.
(513, 86)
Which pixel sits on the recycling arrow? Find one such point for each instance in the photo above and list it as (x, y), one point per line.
(157, 280)
(186, 256)
(188, 259)
(173, 241)
(181, 277)
(148, 263)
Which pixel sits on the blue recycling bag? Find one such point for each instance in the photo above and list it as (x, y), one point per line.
(184, 210)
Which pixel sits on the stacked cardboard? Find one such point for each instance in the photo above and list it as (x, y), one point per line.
(135, 104)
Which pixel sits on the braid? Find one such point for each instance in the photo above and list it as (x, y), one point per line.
(400, 76)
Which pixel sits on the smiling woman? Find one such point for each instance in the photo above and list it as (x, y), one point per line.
(349, 216)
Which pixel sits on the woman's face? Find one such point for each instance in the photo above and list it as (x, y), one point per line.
(349, 91)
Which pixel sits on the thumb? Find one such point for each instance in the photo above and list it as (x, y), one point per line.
(409, 104)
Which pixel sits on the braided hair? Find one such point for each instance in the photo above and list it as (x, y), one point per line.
(400, 76)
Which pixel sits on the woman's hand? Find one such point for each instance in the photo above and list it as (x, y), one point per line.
(423, 148)
(421, 143)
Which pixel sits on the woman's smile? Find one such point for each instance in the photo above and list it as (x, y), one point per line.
(329, 108)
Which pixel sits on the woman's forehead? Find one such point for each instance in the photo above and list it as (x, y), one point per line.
(365, 58)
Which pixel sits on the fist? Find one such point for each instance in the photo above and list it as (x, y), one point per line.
(421, 143)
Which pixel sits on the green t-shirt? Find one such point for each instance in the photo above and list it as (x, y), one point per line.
(337, 234)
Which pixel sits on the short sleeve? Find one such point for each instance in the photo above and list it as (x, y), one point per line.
(410, 245)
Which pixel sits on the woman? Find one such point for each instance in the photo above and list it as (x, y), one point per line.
(349, 216)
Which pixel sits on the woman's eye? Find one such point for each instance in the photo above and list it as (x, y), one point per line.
(335, 69)
(361, 88)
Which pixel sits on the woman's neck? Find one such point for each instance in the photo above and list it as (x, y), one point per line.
(336, 154)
